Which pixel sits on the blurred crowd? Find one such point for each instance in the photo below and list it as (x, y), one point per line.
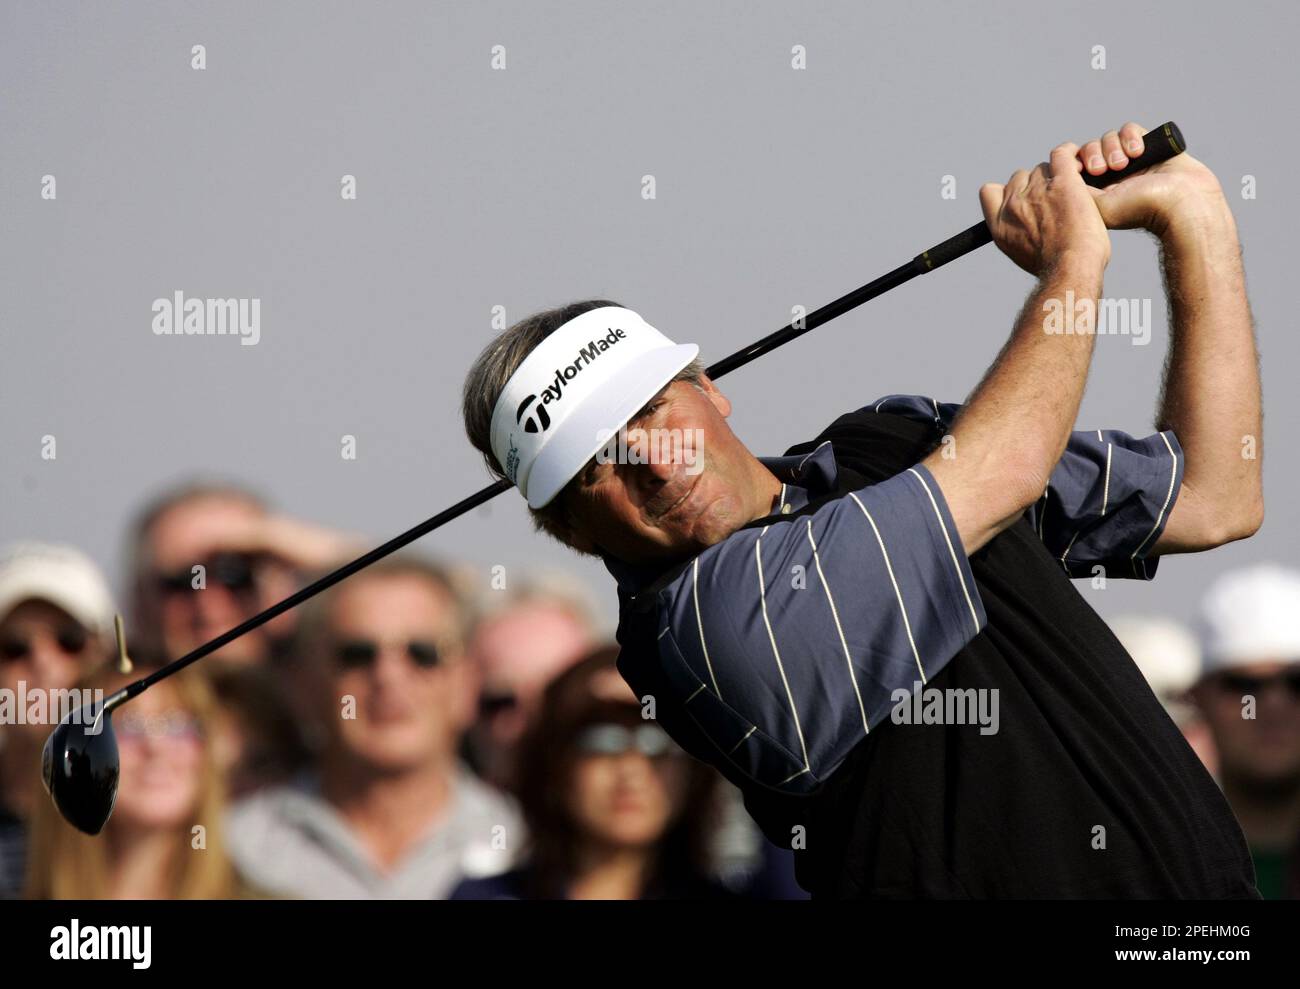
(424, 729)
(420, 731)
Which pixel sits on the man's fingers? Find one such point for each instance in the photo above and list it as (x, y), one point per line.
(1130, 136)
(1016, 184)
(1093, 160)
(1040, 177)
(1112, 151)
(991, 194)
(1064, 163)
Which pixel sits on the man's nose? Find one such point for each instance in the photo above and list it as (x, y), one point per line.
(665, 471)
(659, 462)
(650, 480)
(216, 603)
(393, 664)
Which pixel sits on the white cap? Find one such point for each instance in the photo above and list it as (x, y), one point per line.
(1164, 650)
(62, 575)
(1251, 615)
(575, 391)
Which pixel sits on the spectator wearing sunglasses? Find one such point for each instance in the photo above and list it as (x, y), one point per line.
(541, 628)
(1250, 692)
(56, 626)
(250, 558)
(164, 840)
(392, 812)
(615, 809)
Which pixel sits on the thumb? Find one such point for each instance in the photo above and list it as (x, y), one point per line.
(991, 195)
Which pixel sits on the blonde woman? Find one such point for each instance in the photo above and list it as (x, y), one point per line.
(164, 839)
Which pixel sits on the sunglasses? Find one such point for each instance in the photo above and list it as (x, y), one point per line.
(71, 639)
(362, 654)
(490, 705)
(610, 740)
(233, 571)
(1241, 684)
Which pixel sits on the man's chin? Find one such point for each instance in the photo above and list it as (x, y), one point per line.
(713, 523)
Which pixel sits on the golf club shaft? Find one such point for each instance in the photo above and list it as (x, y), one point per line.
(314, 588)
(1161, 144)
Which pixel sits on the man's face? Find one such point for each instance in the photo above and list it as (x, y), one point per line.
(647, 512)
(409, 707)
(194, 532)
(1263, 749)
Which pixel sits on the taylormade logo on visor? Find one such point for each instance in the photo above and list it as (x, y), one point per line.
(531, 414)
(545, 420)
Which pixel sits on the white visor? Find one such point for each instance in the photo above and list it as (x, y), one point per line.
(574, 391)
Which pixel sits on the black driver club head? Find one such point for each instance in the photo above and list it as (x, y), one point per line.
(80, 767)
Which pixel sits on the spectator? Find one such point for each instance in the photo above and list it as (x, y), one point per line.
(392, 811)
(1169, 657)
(614, 808)
(164, 840)
(1250, 693)
(56, 627)
(519, 647)
(250, 559)
(541, 629)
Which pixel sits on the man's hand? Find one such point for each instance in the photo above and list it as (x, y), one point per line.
(1168, 194)
(1041, 217)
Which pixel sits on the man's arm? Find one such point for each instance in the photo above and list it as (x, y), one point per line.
(1014, 428)
(1000, 457)
(1109, 497)
(1211, 392)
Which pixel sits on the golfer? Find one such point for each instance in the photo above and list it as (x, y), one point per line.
(875, 636)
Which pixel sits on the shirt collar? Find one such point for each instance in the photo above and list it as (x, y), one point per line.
(804, 476)
(814, 471)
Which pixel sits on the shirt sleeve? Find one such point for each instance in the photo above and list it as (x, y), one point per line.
(787, 643)
(1107, 500)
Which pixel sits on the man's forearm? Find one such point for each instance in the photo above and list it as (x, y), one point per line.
(1014, 427)
(1211, 392)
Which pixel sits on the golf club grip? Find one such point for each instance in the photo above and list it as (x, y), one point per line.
(1159, 144)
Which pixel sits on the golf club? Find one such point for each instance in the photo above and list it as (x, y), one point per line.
(80, 765)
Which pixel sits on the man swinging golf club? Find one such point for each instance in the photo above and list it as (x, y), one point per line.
(791, 619)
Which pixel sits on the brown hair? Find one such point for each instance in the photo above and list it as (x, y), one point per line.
(488, 377)
(64, 864)
(547, 758)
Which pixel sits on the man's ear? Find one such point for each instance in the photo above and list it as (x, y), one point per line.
(719, 400)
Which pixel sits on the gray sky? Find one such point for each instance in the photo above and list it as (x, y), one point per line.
(522, 189)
